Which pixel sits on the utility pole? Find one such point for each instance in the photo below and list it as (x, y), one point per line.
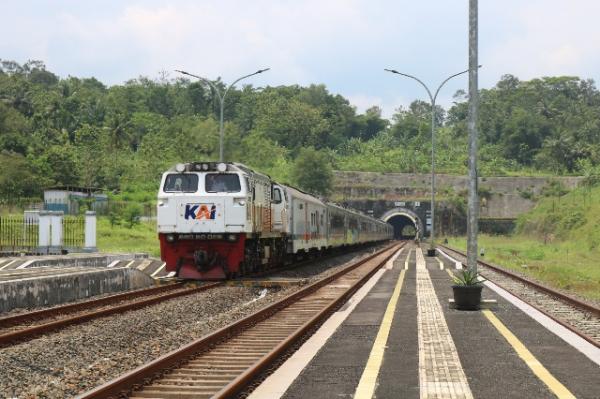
(221, 101)
(473, 201)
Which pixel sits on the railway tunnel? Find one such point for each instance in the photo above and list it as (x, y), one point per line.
(407, 224)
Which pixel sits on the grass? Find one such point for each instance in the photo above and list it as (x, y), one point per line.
(558, 243)
(119, 238)
(565, 265)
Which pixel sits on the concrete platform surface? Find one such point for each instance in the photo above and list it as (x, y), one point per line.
(403, 340)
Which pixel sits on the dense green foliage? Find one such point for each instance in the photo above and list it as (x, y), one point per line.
(78, 131)
(572, 216)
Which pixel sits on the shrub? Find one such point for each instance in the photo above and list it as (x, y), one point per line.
(131, 214)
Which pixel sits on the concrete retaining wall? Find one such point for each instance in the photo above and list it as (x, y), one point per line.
(54, 290)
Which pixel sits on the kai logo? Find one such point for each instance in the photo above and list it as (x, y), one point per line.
(200, 211)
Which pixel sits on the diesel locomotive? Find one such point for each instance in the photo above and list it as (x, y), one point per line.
(223, 220)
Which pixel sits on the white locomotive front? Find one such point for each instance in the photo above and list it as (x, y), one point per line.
(206, 211)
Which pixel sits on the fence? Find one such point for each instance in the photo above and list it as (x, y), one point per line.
(18, 234)
(39, 232)
(73, 231)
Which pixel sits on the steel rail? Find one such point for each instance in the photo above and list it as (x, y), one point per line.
(576, 303)
(33, 331)
(137, 378)
(245, 378)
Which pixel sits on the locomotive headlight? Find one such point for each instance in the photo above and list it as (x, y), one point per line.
(205, 166)
(170, 237)
(231, 237)
(180, 167)
(222, 167)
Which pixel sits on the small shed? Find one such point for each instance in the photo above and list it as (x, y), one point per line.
(68, 199)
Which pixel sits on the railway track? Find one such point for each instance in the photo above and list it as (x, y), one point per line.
(25, 326)
(580, 317)
(223, 363)
(28, 325)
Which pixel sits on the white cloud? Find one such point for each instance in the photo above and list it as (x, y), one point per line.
(341, 43)
(540, 38)
(222, 39)
(362, 102)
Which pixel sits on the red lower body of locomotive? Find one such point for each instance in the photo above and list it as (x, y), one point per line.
(203, 256)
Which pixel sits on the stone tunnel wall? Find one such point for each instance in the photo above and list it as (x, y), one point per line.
(502, 198)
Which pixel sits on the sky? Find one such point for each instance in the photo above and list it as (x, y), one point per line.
(344, 44)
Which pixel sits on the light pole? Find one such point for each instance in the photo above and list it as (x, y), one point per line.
(221, 100)
(432, 99)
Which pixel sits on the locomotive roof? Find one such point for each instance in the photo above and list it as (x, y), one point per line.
(231, 166)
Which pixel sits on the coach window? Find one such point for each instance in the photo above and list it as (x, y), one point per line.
(181, 183)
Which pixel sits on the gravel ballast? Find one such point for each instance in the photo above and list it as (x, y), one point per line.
(79, 358)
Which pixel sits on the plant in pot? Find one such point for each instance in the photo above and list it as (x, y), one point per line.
(467, 290)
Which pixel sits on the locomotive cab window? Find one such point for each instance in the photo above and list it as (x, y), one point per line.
(181, 183)
(222, 183)
(276, 196)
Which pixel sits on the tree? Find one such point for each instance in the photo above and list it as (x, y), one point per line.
(370, 124)
(16, 177)
(312, 171)
(291, 123)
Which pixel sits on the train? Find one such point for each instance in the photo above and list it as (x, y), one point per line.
(222, 220)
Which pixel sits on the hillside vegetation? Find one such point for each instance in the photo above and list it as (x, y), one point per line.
(79, 131)
(558, 242)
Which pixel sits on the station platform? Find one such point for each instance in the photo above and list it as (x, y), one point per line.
(49, 264)
(35, 281)
(398, 337)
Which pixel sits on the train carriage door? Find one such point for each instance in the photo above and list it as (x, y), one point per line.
(307, 225)
(277, 209)
(254, 207)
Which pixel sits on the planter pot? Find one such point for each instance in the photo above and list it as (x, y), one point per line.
(467, 297)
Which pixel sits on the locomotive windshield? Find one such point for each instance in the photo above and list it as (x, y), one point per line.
(181, 183)
(221, 182)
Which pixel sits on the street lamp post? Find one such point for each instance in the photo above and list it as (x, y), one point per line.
(221, 100)
(432, 99)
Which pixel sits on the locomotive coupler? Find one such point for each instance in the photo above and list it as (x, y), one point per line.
(204, 261)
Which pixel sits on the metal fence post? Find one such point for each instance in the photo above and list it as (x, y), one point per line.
(90, 232)
(44, 232)
(56, 239)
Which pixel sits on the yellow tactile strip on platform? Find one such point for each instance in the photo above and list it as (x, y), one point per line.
(368, 380)
(440, 373)
(538, 368)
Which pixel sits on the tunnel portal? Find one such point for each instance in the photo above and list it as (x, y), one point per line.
(407, 225)
(404, 228)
